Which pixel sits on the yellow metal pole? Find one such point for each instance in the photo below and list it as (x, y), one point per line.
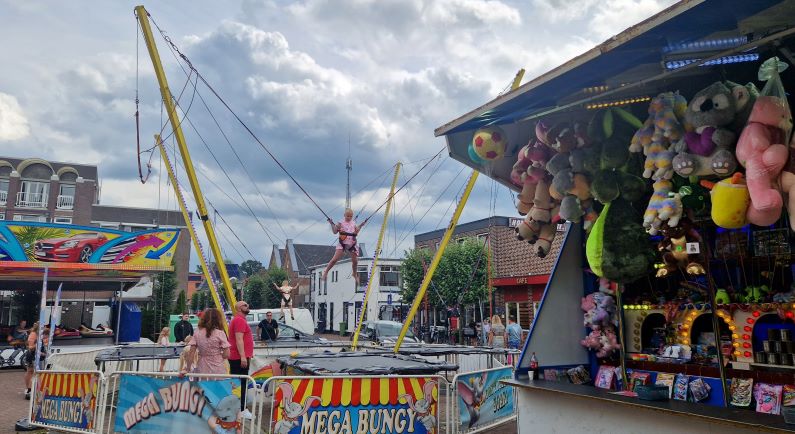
(375, 257)
(437, 258)
(517, 80)
(191, 230)
(146, 29)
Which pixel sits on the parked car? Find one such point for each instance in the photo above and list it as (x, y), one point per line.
(77, 248)
(385, 333)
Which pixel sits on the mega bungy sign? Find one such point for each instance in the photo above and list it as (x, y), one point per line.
(368, 405)
(66, 400)
(483, 400)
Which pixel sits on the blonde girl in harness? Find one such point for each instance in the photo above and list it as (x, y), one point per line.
(347, 230)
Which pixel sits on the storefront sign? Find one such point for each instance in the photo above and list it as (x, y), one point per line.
(150, 405)
(514, 222)
(65, 400)
(356, 406)
(483, 400)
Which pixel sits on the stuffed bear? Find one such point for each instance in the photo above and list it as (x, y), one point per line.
(674, 249)
(609, 344)
(524, 200)
(707, 150)
(607, 287)
(761, 149)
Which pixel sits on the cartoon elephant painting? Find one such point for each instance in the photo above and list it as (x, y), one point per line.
(226, 416)
(473, 396)
(291, 411)
(423, 406)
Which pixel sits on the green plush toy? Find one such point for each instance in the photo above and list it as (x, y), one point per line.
(722, 296)
(617, 248)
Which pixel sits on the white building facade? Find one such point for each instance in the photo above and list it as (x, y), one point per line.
(338, 301)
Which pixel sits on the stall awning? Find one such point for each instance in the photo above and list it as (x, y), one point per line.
(17, 275)
(634, 55)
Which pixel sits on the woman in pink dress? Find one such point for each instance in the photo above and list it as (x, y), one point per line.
(347, 230)
(211, 343)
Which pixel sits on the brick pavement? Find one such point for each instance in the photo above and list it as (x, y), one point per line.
(12, 381)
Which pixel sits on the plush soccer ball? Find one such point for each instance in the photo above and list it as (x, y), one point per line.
(473, 156)
(490, 143)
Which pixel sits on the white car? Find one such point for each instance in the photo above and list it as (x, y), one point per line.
(385, 333)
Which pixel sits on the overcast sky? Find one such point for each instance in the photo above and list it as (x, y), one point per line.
(305, 76)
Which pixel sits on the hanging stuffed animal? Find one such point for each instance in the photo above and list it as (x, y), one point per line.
(707, 150)
(730, 201)
(762, 147)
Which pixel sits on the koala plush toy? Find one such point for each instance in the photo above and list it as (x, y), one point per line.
(713, 112)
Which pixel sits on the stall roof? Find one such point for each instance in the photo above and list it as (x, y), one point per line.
(74, 276)
(632, 56)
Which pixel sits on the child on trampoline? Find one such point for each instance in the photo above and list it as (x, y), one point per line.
(347, 230)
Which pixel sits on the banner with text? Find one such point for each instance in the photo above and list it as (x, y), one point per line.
(370, 405)
(482, 399)
(150, 405)
(67, 400)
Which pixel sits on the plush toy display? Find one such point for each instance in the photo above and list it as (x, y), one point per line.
(675, 250)
(754, 294)
(617, 247)
(722, 296)
(730, 201)
(707, 150)
(762, 147)
(490, 143)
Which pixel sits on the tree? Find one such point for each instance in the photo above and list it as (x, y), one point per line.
(254, 291)
(251, 267)
(196, 303)
(460, 277)
(156, 315)
(181, 305)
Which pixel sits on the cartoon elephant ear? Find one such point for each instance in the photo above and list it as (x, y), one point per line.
(287, 392)
(427, 389)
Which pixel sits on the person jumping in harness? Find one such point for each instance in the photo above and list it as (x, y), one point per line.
(286, 292)
(347, 230)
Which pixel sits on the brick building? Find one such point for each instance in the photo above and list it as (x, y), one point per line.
(297, 259)
(37, 190)
(518, 275)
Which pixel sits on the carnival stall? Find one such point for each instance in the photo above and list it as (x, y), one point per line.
(666, 151)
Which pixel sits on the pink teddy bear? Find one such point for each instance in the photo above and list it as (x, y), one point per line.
(608, 343)
(761, 150)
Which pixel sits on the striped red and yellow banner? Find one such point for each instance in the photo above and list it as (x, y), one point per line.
(354, 392)
(67, 385)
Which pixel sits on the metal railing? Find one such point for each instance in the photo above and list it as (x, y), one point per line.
(65, 202)
(254, 397)
(38, 408)
(31, 200)
(483, 408)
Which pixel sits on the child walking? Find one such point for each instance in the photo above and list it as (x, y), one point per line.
(162, 340)
(347, 230)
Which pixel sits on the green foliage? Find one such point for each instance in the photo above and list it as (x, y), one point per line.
(254, 292)
(196, 302)
(181, 305)
(28, 235)
(456, 280)
(162, 301)
(251, 267)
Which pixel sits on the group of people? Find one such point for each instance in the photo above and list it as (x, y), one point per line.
(26, 337)
(208, 350)
(499, 336)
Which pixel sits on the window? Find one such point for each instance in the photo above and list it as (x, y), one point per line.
(461, 240)
(389, 276)
(363, 278)
(2, 216)
(3, 191)
(30, 218)
(62, 220)
(33, 194)
(333, 276)
(437, 246)
(66, 197)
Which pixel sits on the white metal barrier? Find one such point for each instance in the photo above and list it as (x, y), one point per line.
(183, 394)
(481, 401)
(397, 402)
(69, 401)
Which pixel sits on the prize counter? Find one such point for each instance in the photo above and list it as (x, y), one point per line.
(671, 304)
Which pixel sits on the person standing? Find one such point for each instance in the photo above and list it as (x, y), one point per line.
(29, 359)
(497, 334)
(162, 340)
(242, 350)
(183, 328)
(486, 330)
(514, 333)
(211, 344)
(268, 328)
